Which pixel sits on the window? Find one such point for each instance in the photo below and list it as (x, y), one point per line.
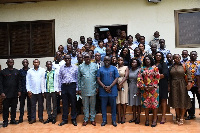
(187, 24)
(27, 39)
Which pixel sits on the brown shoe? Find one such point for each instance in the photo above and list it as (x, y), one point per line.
(93, 123)
(84, 123)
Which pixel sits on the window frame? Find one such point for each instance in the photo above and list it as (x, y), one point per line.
(177, 35)
(29, 54)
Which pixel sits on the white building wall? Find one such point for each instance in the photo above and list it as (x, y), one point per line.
(74, 18)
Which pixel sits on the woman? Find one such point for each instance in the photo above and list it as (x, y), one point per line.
(110, 42)
(125, 54)
(178, 97)
(114, 61)
(163, 83)
(148, 79)
(142, 49)
(101, 49)
(115, 50)
(134, 92)
(122, 98)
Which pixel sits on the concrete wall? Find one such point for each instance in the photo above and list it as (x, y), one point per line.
(74, 18)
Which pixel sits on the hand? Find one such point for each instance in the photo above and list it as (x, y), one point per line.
(119, 87)
(3, 96)
(29, 94)
(19, 94)
(108, 89)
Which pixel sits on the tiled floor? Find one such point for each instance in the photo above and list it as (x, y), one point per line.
(192, 126)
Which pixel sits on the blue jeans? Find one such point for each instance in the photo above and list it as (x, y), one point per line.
(104, 102)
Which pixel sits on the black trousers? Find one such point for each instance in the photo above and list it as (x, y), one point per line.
(34, 99)
(22, 98)
(191, 111)
(9, 102)
(68, 95)
(48, 97)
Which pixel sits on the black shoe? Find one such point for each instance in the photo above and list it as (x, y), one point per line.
(190, 118)
(103, 123)
(47, 121)
(29, 119)
(20, 120)
(41, 120)
(14, 122)
(74, 122)
(5, 124)
(146, 123)
(63, 123)
(32, 121)
(54, 121)
(114, 123)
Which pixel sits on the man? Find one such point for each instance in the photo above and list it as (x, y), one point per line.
(87, 86)
(153, 49)
(51, 89)
(68, 83)
(10, 89)
(74, 58)
(193, 64)
(34, 85)
(155, 40)
(69, 49)
(82, 40)
(137, 37)
(56, 66)
(96, 39)
(79, 104)
(184, 56)
(24, 94)
(99, 64)
(107, 77)
(69, 41)
(163, 49)
(169, 61)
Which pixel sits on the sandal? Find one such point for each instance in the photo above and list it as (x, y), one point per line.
(177, 121)
(154, 124)
(163, 122)
(180, 122)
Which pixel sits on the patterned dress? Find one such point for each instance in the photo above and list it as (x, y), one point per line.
(149, 76)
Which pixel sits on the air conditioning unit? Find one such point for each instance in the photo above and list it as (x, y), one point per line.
(154, 1)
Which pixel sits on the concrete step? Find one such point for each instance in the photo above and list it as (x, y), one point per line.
(129, 116)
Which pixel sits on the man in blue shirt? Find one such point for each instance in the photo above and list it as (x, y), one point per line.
(107, 77)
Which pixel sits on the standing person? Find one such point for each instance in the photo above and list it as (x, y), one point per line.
(82, 40)
(68, 83)
(34, 85)
(96, 39)
(24, 93)
(148, 79)
(169, 61)
(69, 42)
(122, 98)
(193, 64)
(99, 64)
(134, 92)
(87, 86)
(178, 97)
(163, 83)
(56, 66)
(100, 49)
(163, 49)
(155, 40)
(51, 89)
(184, 56)
(153, 50)
(10, 89)
(107, 77)
(125, 54)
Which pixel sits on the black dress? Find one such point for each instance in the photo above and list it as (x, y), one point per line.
(163, 83)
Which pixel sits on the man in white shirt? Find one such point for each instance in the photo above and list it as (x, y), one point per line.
(34, 85)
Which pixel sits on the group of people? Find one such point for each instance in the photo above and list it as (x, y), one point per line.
(116, 70)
